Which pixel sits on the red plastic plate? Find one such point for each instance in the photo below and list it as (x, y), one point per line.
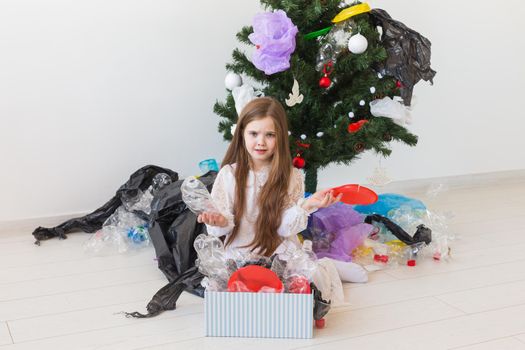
(255, 277)
(356, 194)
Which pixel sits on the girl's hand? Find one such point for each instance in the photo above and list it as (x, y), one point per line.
(321, 199)
(213, 219)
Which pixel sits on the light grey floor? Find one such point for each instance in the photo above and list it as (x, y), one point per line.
(56, 297)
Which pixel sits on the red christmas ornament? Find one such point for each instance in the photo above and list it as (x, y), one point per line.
(398, 84)
(325, 81)
(299, 162)
(354, 127)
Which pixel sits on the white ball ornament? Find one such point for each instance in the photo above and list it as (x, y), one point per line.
(357, 44)
(362, 103)
(320, 134)
(303, 137)
(351, 115)
(232, 81)
(289, 133)
(372, 90)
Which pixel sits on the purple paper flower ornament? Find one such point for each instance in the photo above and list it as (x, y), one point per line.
(274, 36)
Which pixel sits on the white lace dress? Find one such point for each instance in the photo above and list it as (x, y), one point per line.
(294, 219)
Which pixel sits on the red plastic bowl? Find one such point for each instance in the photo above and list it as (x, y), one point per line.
(255, 277)
(356, 194)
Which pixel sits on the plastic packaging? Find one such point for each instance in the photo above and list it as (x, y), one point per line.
(333, 43)
(389, 201)
(408, 53)
(160, 181)
(337, 231)
(327, 280)
(121, 232)
(197, 197)
(227, 274)
(208, 165)
(212, 261)
(141, 201)
(389, 108)
(302, 262)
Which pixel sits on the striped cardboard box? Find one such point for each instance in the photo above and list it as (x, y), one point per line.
(263, 315)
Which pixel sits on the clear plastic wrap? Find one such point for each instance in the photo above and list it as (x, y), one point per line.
(296, 268)
(142, 199)
(212, 261)
(301, 267)
(159, 181)
(123, 231)
(197, 197)
(391, 108)
(141, 202)
(327, 280)
(333, 43)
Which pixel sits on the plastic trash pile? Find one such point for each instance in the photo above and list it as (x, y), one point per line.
(126, 229)
(396, 230)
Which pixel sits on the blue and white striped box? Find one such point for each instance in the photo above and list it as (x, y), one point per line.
(261, 315)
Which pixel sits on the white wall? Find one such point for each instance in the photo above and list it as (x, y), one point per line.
(92, 90)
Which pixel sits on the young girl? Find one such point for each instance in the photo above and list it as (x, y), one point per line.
(258, 192)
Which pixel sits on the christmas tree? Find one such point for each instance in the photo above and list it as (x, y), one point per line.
(344, 73)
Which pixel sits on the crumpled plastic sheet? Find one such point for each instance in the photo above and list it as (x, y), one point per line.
(389, 201)
(389, 108)
(337, 230)
(122, 232)
(408, 53)
(333, 43)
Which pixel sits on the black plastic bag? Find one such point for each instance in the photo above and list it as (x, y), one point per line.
(321, 306)
(423, 233)
(139, 180)
(408, 53)
(173, 229)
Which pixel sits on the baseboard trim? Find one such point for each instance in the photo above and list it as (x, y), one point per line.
(30, 224)
(455, 182)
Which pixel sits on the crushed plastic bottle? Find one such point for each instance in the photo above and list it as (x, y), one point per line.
(197, 197)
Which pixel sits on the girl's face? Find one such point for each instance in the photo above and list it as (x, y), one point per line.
(259, 140)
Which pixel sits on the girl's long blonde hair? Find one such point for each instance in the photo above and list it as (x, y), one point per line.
(274, 194)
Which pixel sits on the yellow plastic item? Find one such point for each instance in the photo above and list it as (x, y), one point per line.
(396, 246)
(362, 251)
(351, 12)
